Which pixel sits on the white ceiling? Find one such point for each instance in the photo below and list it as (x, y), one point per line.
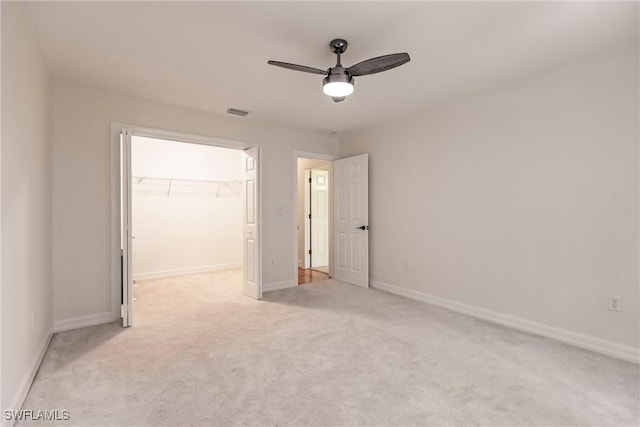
(213, 55)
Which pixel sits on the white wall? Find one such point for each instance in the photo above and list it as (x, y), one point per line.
(523, 200)
(194, 225)
(81, 186)
(26, 206)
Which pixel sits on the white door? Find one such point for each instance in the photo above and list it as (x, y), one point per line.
(252, 282)
(319, 218)
(307, 218)
(351, 224)
(126, 310)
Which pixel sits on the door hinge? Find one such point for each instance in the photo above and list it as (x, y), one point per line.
(309, 251)
(309, 216)
(310, 180)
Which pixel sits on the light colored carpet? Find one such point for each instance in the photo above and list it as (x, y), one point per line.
(321, 354)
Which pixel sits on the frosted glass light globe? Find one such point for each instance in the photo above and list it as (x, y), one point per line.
(337, 89)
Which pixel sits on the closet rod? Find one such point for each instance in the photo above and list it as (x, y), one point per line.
(141, 179)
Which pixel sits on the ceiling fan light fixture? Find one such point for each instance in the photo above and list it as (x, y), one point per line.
(337, 85)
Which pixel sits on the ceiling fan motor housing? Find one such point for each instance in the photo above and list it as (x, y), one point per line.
(337, 74)
(338, 83)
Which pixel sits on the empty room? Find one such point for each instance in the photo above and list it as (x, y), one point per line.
(320, 213)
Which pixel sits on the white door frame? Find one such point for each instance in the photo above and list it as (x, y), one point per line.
(317, 156)
(136, 130)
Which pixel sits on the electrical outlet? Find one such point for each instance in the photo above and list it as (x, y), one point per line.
(615, 303)
(405, 266)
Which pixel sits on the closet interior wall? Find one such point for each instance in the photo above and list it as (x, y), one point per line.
(187, 207)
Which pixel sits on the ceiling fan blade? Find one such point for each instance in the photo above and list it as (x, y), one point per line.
(379, 64)
(338, 98)
(297, 67)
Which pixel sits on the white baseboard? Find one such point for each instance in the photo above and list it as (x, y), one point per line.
(187, 270)
(81, 322)
(587, 342)
(25, 385)
(276, 286)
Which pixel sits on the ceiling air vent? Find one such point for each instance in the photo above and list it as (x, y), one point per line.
(327, 131)
(235, 111)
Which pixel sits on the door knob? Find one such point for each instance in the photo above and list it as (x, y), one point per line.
(362, 227)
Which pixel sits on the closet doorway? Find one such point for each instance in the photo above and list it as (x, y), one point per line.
(314, 219)
(189, 224)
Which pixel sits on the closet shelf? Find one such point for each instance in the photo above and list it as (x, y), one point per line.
(170, 186)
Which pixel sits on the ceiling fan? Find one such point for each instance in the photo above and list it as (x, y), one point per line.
(338, 83)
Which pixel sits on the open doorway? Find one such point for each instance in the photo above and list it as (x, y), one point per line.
(189, 217)
(314, 219)
(186, 202)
